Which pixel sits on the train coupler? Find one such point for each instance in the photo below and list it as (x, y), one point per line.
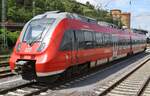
(19, 67)
(26, 68)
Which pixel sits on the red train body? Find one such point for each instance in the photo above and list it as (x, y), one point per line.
(51, 43)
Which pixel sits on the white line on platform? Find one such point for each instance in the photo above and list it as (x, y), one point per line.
(10, 81)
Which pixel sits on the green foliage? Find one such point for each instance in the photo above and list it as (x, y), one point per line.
(22, 10)
(0, 8)
(18, 13)
(11, 37)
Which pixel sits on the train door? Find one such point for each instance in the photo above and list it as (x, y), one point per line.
(78, 46)
(73, 48)
(74, 52)
(115, 46)
(67, 47)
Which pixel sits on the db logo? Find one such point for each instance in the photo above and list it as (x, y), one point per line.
(28, 49)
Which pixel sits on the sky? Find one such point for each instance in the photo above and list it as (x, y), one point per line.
(140, 10)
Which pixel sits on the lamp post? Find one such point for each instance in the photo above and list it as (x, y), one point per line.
(33, 8)
(3, 19)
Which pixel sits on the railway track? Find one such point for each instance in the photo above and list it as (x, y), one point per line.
(4, 57)
(4, 60)
(146, 88)
(27, 89)
(34, 88)
(5, 72)
(4, 67)
(132, 84)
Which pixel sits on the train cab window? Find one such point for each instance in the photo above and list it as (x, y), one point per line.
(67, 41)
(36, 29)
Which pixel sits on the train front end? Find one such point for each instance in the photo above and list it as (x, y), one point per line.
(32, 53)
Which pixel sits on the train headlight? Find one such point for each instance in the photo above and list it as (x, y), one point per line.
(42, 46)
(18, 47)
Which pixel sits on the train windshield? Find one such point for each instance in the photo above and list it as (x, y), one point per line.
(37, 28)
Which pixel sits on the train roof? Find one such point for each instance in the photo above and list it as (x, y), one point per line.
(59, 14)
(50, 14)
(140, 31)
(106, 24)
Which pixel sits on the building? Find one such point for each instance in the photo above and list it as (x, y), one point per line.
(123, 17)
(116, 14)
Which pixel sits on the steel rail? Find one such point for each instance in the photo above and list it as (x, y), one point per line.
(107, 90)
(4, 91)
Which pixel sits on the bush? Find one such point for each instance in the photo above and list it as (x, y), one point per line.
(11, 37)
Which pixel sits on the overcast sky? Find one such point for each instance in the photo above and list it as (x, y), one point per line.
(140, 10)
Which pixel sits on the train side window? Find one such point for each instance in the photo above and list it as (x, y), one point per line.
(67, 41)
(104, 36)
(104, 39)
(80, 39)
(110, 40)
(94, 39)
(88, 40)
(99, 39)
(107, 39)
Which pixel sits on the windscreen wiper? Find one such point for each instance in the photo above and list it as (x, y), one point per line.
(31, 41)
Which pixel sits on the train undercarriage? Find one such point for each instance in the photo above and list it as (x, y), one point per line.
(26, 68)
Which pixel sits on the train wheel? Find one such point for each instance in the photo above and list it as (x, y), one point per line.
(130, 54)
(66, 74)
(145, 49)
(47, 79)
(84, 68)
(75, 70)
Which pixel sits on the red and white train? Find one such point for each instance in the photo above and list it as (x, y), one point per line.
(56, 43)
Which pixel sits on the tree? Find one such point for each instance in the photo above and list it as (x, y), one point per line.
(21, 10)
(19, 3)
(18, 13)
(89, 5)
(55, 5)
(28, 3)
(76, 8)
(0, 9)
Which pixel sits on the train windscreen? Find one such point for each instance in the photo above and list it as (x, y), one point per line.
(37, 28)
